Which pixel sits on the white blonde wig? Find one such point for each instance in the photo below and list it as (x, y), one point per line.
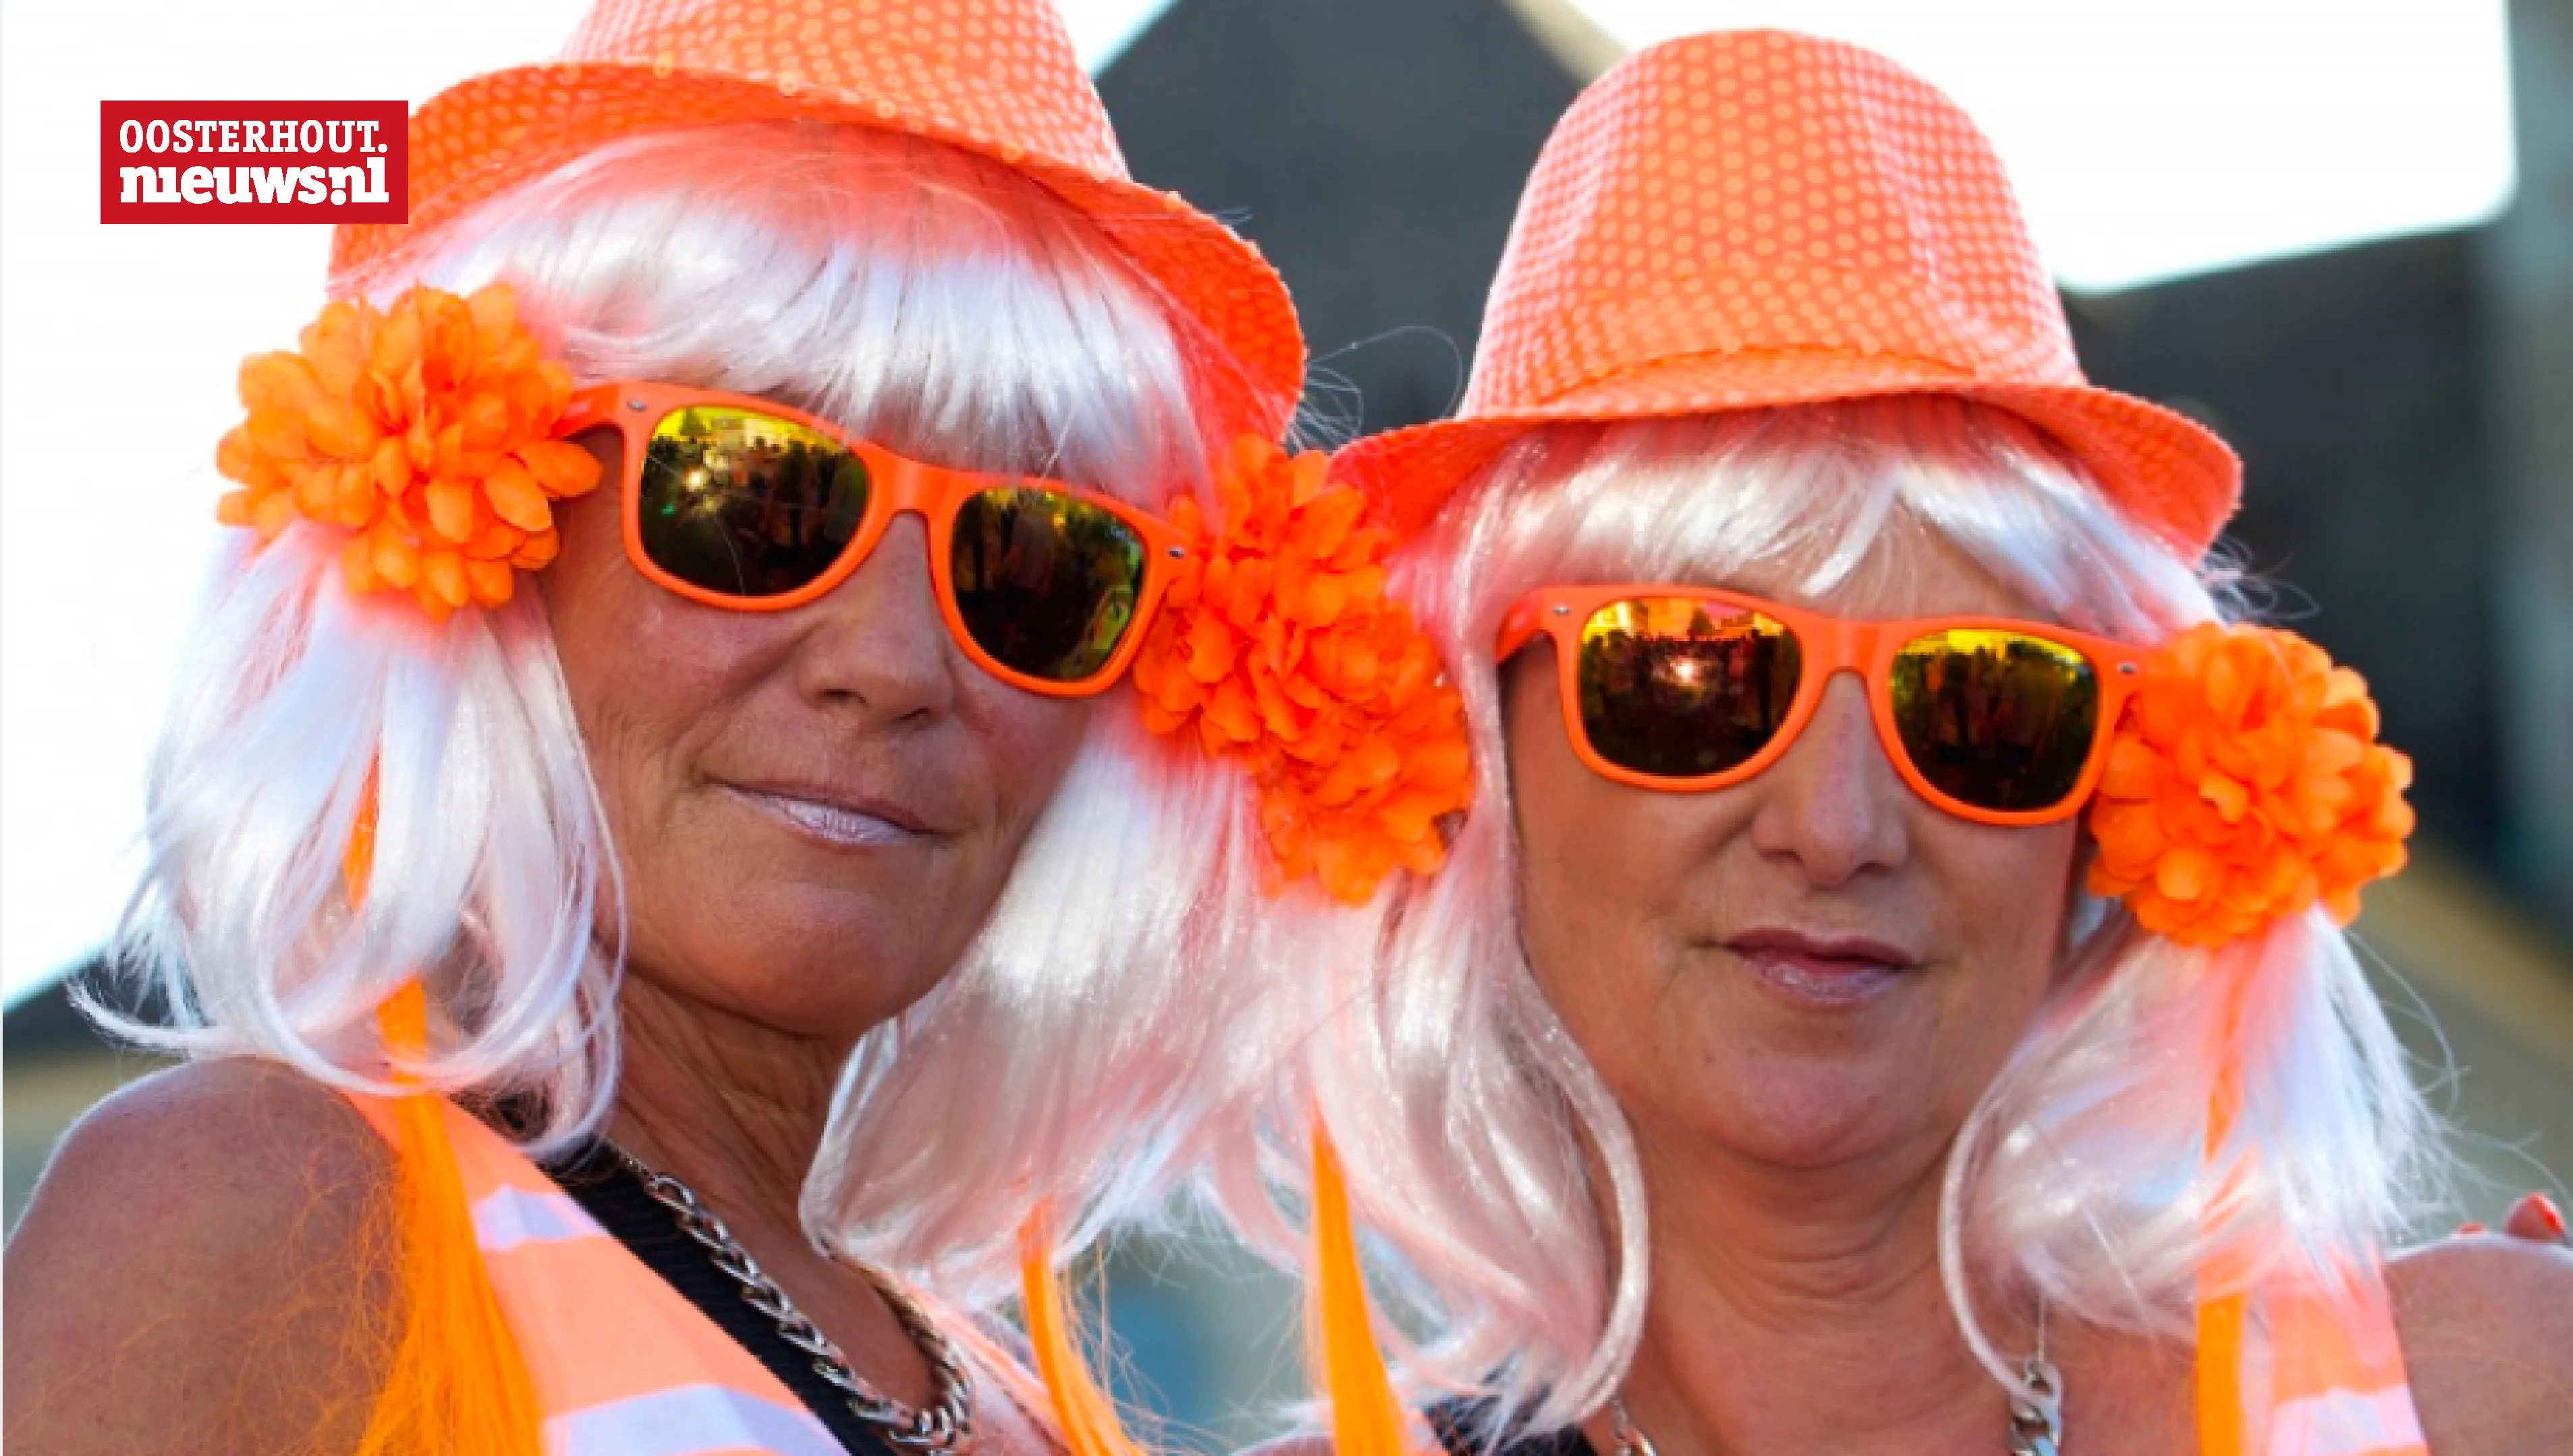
(937, 302)
(1492, 1161)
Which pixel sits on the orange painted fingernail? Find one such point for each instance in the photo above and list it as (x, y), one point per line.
(2549, 1214)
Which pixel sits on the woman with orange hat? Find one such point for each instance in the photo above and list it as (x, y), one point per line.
(646, 864)
(1890, 992)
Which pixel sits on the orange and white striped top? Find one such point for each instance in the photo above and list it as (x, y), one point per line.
(621, 1364)
(2322, 1373)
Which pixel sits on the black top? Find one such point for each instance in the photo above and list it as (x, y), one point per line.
(604, 1186)
(1456, 1424)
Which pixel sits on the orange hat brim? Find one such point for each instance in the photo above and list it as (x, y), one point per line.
(2167, 472)
(465, 150)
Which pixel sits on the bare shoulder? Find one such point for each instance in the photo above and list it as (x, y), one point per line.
(206, 1244)
(206, 1155)
(2487, 1329)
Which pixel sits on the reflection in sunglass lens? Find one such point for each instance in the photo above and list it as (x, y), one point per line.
(2000, 720)
(1047, 582)
(1681, 688)
(748, 504)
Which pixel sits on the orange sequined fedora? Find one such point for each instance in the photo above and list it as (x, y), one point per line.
(1755, 217)
(993, 77)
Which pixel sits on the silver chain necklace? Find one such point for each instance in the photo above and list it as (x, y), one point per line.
(2037, 1407)
(944, 1428)
(2035, 1410)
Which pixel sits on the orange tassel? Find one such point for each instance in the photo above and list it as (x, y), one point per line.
(2220, 1317)
(1367, 1418)
(457, 1381)
(1089, 1416)
(2219, 1377)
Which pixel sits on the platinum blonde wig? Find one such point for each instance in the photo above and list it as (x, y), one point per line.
(937, 302)
(1492, 1163)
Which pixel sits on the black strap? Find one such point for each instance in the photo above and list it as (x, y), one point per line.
(1462, 1428)
(608, 1189)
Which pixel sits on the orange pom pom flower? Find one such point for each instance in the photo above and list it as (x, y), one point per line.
(424, 431)
(1278, 645)
(2245, 784)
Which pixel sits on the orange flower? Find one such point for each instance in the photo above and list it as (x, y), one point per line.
(425, 433)
(1278, 645)
(2244, 784)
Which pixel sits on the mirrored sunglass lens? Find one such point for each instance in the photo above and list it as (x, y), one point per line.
(1681, 688)
(2000, 720)
(748, 504)
(1047, 583)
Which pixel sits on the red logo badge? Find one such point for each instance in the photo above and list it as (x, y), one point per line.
(253, 162)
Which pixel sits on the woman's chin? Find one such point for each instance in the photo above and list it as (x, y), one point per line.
(1791, 1108)
(806, 987)
(802, 947)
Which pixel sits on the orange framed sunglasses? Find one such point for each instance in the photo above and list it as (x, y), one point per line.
(1684, 689)
(743, 503)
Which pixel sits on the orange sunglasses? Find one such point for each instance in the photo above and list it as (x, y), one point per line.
(1685, 688)
(742, 504)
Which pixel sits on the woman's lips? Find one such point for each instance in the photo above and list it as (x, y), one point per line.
(842, 825)
(1820, 970)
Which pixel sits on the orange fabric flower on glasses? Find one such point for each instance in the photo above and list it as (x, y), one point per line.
(425, 431)
(1278, 643)
(2244, 784)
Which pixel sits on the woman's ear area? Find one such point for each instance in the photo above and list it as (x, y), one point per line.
(1526, 699)
(606, 445)
(2075, 922)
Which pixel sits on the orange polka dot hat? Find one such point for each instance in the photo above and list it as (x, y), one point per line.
(993, 77)
(1755, 217)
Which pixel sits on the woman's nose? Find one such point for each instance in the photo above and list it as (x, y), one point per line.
(879, 642)
(1833, 804)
